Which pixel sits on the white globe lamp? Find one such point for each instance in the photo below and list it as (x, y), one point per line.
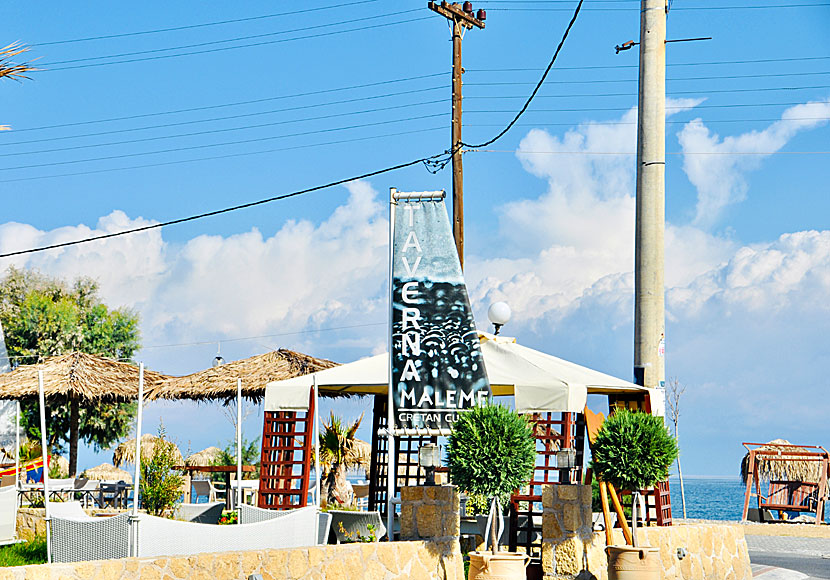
(499, 315)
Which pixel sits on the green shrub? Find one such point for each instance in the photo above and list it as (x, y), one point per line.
(160, 483)
(633, 450)
(491, 451)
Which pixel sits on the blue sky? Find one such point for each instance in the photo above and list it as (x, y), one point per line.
(256, 110)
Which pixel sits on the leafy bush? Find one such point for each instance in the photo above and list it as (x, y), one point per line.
(491, 451)
(160, 483)
(250, 456)
(229, 518)
(633, 450)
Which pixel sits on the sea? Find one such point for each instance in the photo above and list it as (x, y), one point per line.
(711, 498)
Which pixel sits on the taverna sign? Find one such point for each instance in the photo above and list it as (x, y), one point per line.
(437, 368)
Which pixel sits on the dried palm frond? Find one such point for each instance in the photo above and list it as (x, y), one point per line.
(14, 70)
(107, 472)
(125, 452)
(204, 457)
(219, 382)
(778, 465)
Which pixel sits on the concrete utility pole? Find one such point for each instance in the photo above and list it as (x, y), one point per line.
(649, 260)
(461, 18)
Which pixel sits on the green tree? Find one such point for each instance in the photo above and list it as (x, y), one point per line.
(44, 316)
(337, 455)
(251, 453)
(160, 484)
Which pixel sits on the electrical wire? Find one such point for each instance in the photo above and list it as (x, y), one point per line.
(235, 39)
(668, 108)
(535, 90)
(227, 155)
(421, 160)
(670, 64)
(234, 104)
(203, 25)
(702, 92)
(217, 131)
(632, 123)
(634, 80)
(211, 145)
(684, 8)
(249, 45)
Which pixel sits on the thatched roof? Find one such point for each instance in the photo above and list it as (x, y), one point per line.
(63, 465)
(77, 375)
(781, 466)
(257, 371)
(125, 452)
(204, 457)
(107, 472)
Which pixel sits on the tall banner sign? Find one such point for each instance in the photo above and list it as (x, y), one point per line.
(437, 366)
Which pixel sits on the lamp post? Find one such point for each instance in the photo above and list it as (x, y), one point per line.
(429, 457)
(499, 314)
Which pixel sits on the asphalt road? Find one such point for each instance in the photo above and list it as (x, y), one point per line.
(810, 556)
(812, 566)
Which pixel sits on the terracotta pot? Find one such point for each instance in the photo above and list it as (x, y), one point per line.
(501, 566)
(630, 563)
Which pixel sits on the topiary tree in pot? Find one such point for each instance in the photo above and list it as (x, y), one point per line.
(633, 451)
(492, 452)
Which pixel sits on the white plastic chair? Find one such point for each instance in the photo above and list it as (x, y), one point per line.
(8, 516)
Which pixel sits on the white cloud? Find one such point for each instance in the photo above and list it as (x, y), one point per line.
(717, 166)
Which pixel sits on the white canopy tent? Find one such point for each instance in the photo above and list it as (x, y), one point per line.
(539, 382)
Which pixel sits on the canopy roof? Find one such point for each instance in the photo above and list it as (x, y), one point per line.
(77, 375)
(781, 460)
(539, 381)
(204, 457)
(125, 452)
(219, 382)
(107, 472)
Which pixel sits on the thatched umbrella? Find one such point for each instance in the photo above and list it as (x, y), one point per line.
(125, 452)
(77, 377)
(204, 457)
(107, 472)
(782, 467)
(219, 382)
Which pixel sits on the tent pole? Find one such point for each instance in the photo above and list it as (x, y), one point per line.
(391, 473)
(17, 445)
(316, 444)
(45, 454)
(238, 445)
(137, 479)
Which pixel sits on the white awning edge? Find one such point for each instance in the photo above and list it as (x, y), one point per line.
(288, 397)
(544, 399)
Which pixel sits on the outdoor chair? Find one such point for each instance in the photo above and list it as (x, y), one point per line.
(202, 491)
(8, 516)
(163, 537)
(199, 513)
(78, 537)
(249, 514)
(112, 494)
(349, 526)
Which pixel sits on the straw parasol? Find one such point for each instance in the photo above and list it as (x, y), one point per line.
(107, 472)
(125, 452)
(219, 382)
(204, 457)
(76, 377)
(782, 467)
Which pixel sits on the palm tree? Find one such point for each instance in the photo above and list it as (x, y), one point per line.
(13, 70)
(338, 454)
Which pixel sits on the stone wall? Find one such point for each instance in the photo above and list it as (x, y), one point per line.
(713, 551)
(373, 561)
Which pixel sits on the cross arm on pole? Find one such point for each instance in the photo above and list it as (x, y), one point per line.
(454, 12)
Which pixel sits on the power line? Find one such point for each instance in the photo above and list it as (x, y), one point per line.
(424, 160)
(634, 80)
(226, 156)
(217, 131)
(613, 123)
(204, 25)
(538, 85)
(702, 92)
(211, 145)
(633, 8)
(671, 64)
(249, 45)
(234, 104)
(597, 109)
(612, 153)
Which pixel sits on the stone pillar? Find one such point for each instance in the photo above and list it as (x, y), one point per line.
(566, 530)
(430, 513)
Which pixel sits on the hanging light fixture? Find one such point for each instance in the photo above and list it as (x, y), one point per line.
(218, 360)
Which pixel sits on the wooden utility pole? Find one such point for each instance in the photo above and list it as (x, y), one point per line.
(649, 261)
(461, 18)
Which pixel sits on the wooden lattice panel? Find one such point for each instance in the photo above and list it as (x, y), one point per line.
(554, 431)
(286, 458)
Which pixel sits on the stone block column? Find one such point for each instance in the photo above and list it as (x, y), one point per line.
(430, 513)
(566, 530)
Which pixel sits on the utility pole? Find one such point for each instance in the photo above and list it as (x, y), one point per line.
(649, 260)
(461, 19)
